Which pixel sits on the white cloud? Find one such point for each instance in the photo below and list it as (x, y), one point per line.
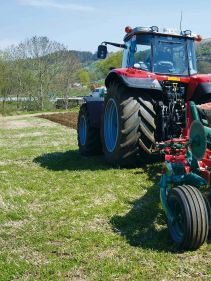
(55, 4)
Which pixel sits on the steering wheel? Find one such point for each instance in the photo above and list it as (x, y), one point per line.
(165, 66)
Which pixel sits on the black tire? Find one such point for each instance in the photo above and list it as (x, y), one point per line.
(88, 138)
(136, 125)
(147, 125)
(190, 228)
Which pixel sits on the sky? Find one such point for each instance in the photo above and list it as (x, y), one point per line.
(83, 24)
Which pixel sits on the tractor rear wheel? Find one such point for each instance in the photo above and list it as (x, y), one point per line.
(128, 125)
(88, 138)
(190, 227)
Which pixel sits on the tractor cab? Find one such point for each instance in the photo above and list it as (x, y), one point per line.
(164, 53)
(161, 53)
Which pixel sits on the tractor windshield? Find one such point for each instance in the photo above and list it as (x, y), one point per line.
(164, 54)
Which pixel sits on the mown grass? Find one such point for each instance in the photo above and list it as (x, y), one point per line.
(67, 217)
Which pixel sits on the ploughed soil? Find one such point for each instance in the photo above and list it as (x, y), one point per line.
(68, 119)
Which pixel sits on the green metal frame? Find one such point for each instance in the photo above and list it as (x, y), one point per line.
(174, 173)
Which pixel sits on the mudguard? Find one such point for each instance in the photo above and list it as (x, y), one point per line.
(134, 79)
(199, 88)
(95, 109)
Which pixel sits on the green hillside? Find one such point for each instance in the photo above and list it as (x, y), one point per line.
(204, 56)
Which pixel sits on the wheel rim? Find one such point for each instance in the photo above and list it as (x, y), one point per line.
(111, 125)
(177, 228)
(82, 130)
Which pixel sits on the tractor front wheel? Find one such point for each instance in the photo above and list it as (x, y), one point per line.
(88, 138)
(190, 227)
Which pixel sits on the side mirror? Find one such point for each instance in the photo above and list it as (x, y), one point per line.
(102, 51)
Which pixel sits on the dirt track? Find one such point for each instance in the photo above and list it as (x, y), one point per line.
(68, 119)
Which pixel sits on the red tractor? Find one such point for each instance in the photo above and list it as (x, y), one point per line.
(158, 103)
(146, 99)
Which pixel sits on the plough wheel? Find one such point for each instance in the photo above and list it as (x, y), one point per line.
(190, 227)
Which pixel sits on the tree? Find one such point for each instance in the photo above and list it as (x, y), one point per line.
(45, 57)
(67, 76)
(84, 77)
(36, 60)
(5, 82)
(203, 52)
(113, 61)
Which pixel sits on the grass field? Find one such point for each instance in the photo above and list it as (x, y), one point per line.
(65, 217)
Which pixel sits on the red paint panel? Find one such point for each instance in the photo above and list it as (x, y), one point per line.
(195, 80)
(137, 73)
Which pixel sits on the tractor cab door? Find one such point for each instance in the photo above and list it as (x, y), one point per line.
(139, 52)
